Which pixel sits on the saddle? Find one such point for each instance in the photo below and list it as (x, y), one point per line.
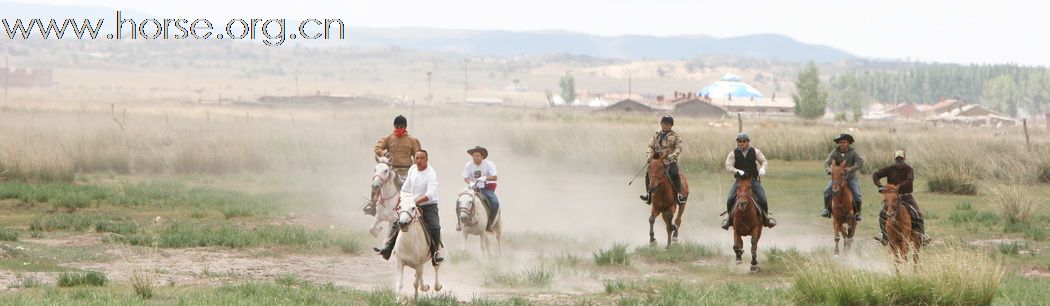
(426, 234)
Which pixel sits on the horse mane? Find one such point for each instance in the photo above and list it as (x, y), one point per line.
(657, 155)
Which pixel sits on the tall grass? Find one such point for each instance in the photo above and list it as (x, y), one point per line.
(1014, 203)
(228, 144)
(687, 251)
(945, 277)
(89, 278)
(615, 256)
(535, 276)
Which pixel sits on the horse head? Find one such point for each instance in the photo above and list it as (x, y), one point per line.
(465, 204)
(838, 177)
(382, 173)
(406, 210)
(743, 193)
(890, 196)
(656, 171)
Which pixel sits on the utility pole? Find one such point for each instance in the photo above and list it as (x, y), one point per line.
(430, 95)
(466, 63)
(7, 76)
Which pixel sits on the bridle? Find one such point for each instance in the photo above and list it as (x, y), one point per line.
(471, 211)
(749, 198)
(413, 216)
(383, 181)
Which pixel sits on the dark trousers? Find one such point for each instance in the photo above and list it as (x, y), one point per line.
(430, 219)
(493, 205)
(917, 222)
(672, 172)
(756, 188)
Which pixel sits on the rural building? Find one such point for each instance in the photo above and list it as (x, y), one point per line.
(906, 111)
(974, 115)
(688, 104)
(629, 105)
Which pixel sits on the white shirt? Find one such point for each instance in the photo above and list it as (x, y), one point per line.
(486, 168)
(422, 183)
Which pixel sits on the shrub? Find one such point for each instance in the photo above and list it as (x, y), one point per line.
(615, 256)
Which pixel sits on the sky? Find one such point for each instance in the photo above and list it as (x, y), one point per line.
(932, 31)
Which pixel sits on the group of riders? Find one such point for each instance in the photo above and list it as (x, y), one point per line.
(416, 177)
(748, 162)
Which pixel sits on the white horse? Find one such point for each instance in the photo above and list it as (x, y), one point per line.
(473, 216)
(412, 248)
(385, 187)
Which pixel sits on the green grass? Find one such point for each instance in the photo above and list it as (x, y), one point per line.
(789, 256)
(28, 281)
(71, 221)
(682, 292)
(7, 234)
(187, 234)
(536, 276)
(1018, 290)
(614, 256)
(952, 181)
(946, 277)
(1011, 248)
(679, 252)
(87, 278)
(122, 227)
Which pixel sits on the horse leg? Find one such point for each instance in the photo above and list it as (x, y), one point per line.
(437, 281)
(374, 230)
(837, 226)
(400, 277)
(678, 221)
(738, 247)
(850, 230)
(499, 236)
(485, 243)
(754, 249)
(670, 226)
(419, 277)
(652, 235)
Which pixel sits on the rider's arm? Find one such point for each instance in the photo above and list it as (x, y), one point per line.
(910, 177)
(467, 177)
(492, 173)
(762, 161)
(678, 143)
(649, 148)
(730, 162)
(431, 192)
(827, 163)
(878, 175)
(381, 146)
(858, 162)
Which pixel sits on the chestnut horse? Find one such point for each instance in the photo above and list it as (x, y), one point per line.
(898, 226)
(746, 222)
(843, 216)
(664, 201)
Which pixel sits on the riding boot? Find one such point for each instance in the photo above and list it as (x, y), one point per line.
(492, 218)
(647, 198)
(882, 228)
(387, 247)
(856, 207)
(370, 208)
(727, 222)
(827, 207)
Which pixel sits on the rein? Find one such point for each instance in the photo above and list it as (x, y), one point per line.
(472, 212)
(382, 182)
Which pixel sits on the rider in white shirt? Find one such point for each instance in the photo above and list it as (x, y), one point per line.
(482, 172)
(422, 185)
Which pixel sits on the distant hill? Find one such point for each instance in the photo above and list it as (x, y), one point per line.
(504, 43)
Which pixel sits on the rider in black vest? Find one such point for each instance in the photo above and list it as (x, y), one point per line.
(747, 162)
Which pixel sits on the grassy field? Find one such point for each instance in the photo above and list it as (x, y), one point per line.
(212, 206)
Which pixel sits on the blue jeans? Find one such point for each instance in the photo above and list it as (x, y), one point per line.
(854, 186)
(756, 187)
(491, 195)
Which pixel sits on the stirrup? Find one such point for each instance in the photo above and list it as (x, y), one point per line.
(725, 224)
(858, 217)
(770, 222)
(826, 213)
(681, 199)
(880, 239)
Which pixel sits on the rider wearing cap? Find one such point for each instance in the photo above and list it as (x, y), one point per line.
(669, 144)
(902, 175)
(747, 162)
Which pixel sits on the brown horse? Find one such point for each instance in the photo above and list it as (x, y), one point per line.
(898, 226)
(746, 222)
(664, 201)
(843, 219)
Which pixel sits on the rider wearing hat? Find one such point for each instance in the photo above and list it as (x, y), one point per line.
(666, 141)
(902, 175)
(747, 162)
(399, 147)
(482, 173)
(854, 161)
